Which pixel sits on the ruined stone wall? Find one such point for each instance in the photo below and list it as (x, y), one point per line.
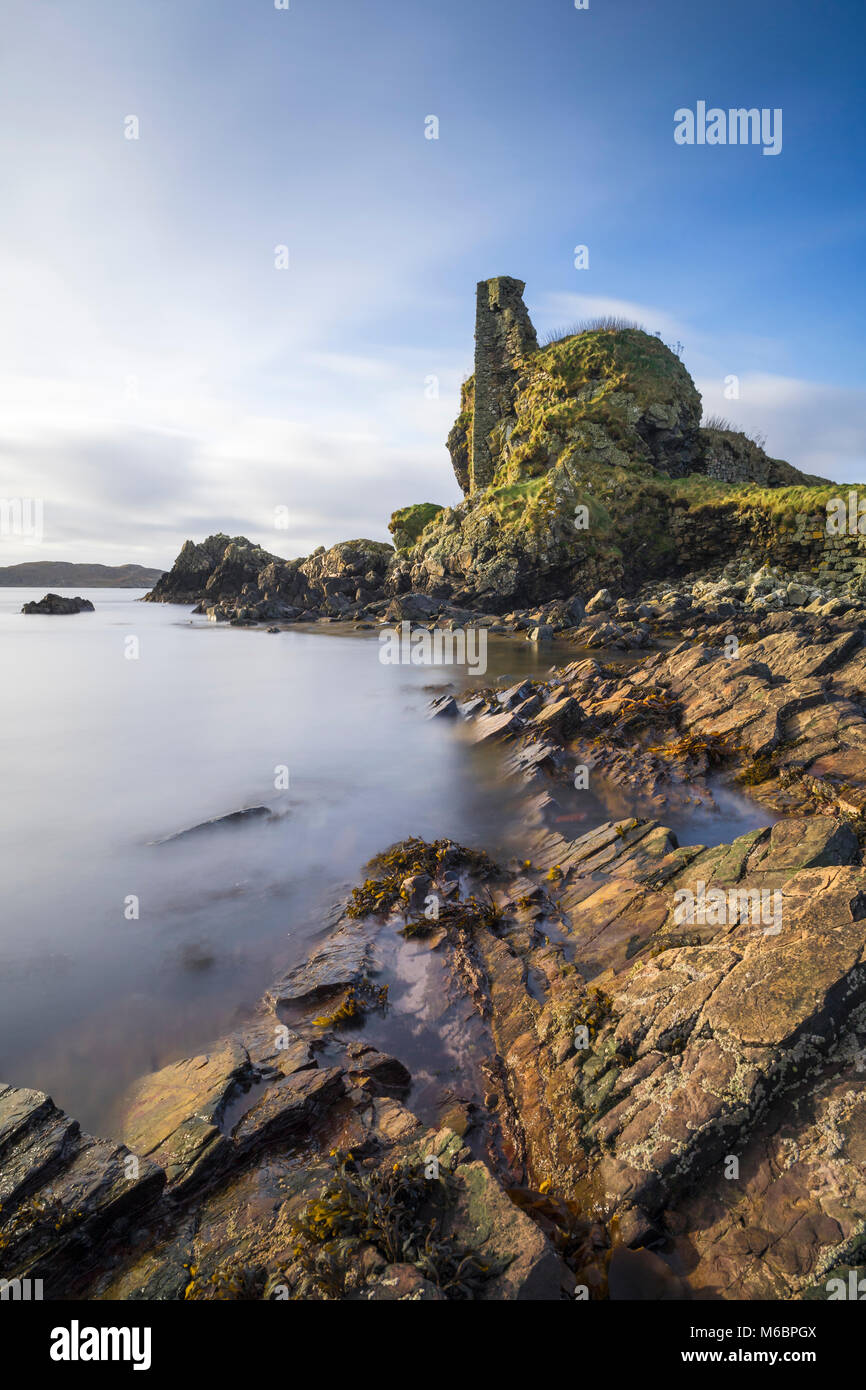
(836, 561)
(732, 457)
(709, 536)
(503, 334)
(731, 470)
(712, 534)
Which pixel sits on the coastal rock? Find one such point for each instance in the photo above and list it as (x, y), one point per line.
(585, 469)
(412, 608)
(444, 707)
(619, 1055)
(54, 604)
(220, 565)
(233, 818)
(492, 726)
(67, 1201)
(232, 579)
(600, 602)
(378, 1072)
(290, 1107)
(785, 718)
(695, 1041)
(506, 1235)
(343, 961)
(174, 1116)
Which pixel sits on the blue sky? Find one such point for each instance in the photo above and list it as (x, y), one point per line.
(160, 378)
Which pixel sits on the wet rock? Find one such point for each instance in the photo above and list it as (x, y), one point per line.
(288, 1108)
(174, 1115)
(493, 726)
(68, 1200)
(515, 696)
(234, 818)
(344, 960)
(272, 1047)
(35, 1139)
(377, 1072)
(563, 714)
(640, 1274)
(445, 707)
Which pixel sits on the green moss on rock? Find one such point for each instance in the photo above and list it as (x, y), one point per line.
(601, 394)
(407, 523)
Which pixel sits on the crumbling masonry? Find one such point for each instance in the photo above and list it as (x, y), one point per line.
(503, 334)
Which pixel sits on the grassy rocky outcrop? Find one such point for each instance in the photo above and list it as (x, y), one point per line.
(407, 524)
(233, 579)
(602, 476)
(584, 465)
(617, 394)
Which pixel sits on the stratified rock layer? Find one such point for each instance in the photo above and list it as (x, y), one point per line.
(685, 1093)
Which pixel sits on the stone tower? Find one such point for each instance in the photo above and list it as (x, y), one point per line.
(503, 334)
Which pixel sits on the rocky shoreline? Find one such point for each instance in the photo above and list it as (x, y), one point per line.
(657, 1049)
(649, 1107)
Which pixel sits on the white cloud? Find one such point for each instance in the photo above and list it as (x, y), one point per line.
(141, 475)
(819, 428)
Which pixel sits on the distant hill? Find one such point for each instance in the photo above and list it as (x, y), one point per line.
(57, 574)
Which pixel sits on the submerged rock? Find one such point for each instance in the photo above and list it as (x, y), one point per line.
(219, 822)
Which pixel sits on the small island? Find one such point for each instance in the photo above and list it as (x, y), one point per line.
(55, 604)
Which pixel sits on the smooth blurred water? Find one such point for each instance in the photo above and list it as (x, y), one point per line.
(101, 755)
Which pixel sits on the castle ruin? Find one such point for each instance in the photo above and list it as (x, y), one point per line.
(503, 334)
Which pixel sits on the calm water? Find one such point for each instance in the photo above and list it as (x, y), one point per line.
(102, 755)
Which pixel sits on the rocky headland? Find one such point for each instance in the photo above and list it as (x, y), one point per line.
(662, 1046)
(584, 466)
